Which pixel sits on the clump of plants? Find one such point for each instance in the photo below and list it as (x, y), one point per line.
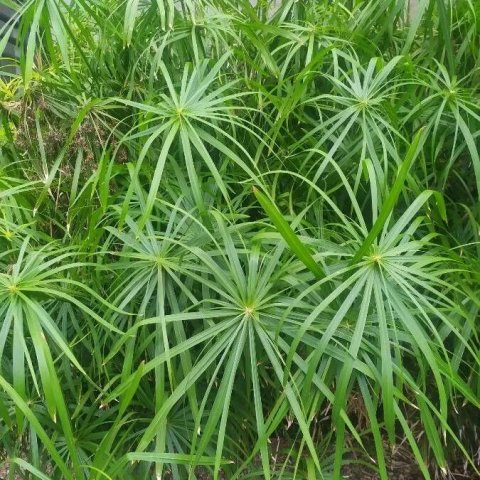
(240, 241)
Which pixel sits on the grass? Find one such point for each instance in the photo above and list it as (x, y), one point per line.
(239, 241)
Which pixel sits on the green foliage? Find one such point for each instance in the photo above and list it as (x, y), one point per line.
(239, 241)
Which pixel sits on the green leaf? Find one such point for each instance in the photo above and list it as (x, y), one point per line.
(34, 31)
(298, 248)
(177, 458)
(392, 197)
(44, 436)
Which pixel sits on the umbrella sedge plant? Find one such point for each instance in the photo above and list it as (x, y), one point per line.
(239, 240)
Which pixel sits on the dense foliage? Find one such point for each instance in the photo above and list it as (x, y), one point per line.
(239, 241)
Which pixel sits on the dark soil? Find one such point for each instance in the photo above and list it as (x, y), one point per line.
(402, 466)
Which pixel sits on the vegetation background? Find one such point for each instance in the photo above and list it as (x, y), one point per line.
(240, 241)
